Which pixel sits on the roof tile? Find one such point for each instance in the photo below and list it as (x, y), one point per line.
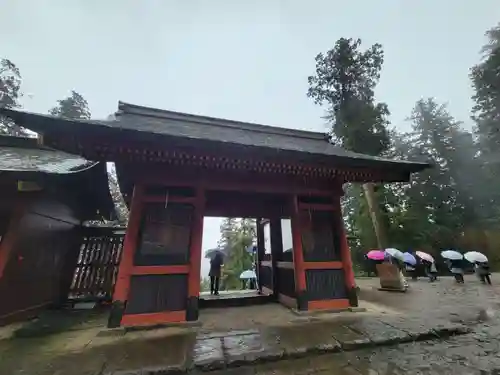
(24, 155)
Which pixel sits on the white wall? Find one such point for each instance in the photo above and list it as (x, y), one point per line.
(286, 234)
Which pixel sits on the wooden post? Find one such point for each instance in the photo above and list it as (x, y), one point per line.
(260, 251)
(127, 261)
(276, 251)
(345, 255)
(192, 309)
(298, 256)
(376, 217)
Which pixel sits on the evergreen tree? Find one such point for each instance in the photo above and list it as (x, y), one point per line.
(10, 93)
(439, 203)
(485, 78)
(345, 80)
(227, 232)
(75, 107)
(72, 107)
(236, 237)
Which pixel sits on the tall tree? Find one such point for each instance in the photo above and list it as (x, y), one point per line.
(345, 81)
(228, 229)
(236, 237)
(76, 107)
(10, 93)
(440, 203)
(72, 107)
(485, 78)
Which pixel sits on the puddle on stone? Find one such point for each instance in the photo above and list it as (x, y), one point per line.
(208, 349)
(312, 335)
(236, 345)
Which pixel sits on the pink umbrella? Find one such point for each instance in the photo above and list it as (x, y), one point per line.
(375, 255)
(425, 256)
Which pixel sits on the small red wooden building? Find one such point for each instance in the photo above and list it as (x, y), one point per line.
(175, 169)
(45, 196)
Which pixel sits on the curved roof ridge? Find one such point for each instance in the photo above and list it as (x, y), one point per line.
(134, 109)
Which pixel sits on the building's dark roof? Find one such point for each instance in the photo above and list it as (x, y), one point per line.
(159, 121)
(193, 127)
(20, 154)
(86, 180)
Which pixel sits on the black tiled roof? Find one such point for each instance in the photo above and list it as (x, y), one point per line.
(153, 121)
(19, 154)
(87, 180)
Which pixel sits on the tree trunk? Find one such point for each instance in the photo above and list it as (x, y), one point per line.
(375, 215)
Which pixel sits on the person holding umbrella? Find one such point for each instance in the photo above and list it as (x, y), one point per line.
(410, 263)
(483, 271)
(430, 270)
(215, 272)
(216, 262)
(481, 266)
(455, 262)
(372, 258)
(429, 264)
(433, 271)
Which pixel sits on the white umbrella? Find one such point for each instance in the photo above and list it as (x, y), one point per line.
(452, 255)
(475, 256)
(248, 274)
(395, 253)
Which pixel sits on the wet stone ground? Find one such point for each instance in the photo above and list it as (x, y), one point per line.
(468, 355)
(382, 342)
(444, 299)
(85, 352)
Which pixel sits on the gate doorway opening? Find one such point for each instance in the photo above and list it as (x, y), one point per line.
(232, 241)
(245, 245)
(247, 242)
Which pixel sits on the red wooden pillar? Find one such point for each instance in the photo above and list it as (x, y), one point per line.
(298, 256)
(192, 309)
(127, 261)
(345, 255)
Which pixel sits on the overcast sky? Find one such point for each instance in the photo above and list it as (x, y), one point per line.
(242, 60)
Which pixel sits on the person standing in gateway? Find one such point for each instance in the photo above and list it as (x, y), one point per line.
(215, 272)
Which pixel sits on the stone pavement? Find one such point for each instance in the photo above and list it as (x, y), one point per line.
(359, 342)
(461, 355)
(444, 299)
(475, 353)
(148, 352)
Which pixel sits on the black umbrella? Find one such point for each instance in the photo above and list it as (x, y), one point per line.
(211, 253)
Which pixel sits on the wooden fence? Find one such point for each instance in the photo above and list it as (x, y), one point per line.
(97, 265)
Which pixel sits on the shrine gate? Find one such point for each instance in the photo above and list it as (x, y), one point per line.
(174, 169)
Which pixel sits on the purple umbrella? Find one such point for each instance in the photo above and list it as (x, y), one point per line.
(409, 259)
(376, 255)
